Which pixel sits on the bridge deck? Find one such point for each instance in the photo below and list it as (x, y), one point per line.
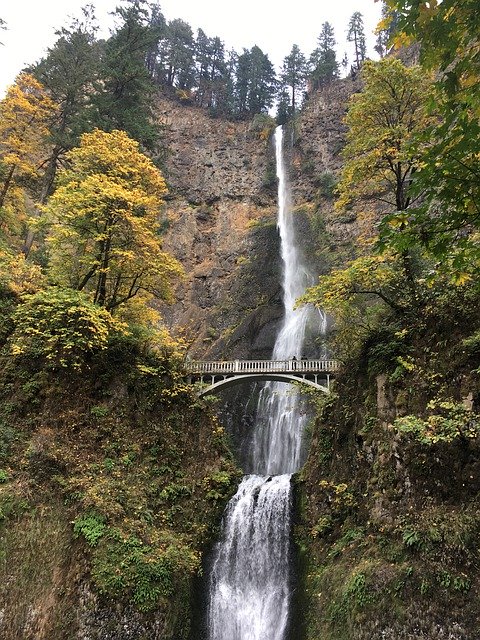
(239, 367)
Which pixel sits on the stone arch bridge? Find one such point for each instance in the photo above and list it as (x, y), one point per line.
(217, 375)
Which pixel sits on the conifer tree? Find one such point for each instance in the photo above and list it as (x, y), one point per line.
(293, 76)
(356, 34)
(125, 96)
(69, 72)
(323, 61)
(211, 70)
(255, 84)
(177, 55)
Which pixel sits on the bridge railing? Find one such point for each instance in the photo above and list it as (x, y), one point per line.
(261, 366)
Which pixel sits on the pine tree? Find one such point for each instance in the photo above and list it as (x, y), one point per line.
(293, 76)
(177, 55)
(211, 70)
(69, 72)
(158, 26)
(255, 84)
(356, 34)
(323, 61)
(126, 92)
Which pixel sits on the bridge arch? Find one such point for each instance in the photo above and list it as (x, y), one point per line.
(227, 382)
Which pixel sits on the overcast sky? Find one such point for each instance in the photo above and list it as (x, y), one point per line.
(31, 25)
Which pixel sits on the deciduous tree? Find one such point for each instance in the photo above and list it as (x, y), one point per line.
(26, 114)
(103, 219)
(447, 221)
(383, 121)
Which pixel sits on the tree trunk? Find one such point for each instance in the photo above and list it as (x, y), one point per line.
(47, 188)
(6, 186)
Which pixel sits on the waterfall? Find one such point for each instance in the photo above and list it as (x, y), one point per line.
(249, 593)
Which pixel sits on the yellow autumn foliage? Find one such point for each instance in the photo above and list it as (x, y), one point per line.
(103, 223)
(26, 113)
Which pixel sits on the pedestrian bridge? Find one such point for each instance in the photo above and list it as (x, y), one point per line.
(216, 375)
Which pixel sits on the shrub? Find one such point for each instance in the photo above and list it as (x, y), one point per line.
(61, 326)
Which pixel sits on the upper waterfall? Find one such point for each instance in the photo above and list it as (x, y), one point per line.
(249, 588)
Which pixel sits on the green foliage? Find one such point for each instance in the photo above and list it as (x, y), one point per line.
(8, 436)
(383, 121)
(3, 476)
(62, 327)
(219, 485)
(293, 77)
(323, 62)
(356, 594)
(446, 219)
(11, 505)
(263, 126)
(91, 526)
(125, 100)
(68, 71)
(356, 34)
(356, 297)
(147, 572)
(447, 421)
(255, 83)
(327, 184)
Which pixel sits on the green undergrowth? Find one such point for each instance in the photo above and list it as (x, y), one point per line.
(134, 470)
(387, 507)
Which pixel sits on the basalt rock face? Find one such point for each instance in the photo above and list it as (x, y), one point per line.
(221, 225)
(210, 159)
(221, 211)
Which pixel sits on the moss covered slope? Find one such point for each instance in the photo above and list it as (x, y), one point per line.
(388, 502)
(112, 480)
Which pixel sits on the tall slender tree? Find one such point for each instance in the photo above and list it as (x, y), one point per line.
(323, 61)
(177, 55)
(69, 72)
(294, 75)
(356, 34)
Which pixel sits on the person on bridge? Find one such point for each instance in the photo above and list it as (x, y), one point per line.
(294, 362)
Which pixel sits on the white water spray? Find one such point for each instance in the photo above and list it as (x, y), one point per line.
(249, 595)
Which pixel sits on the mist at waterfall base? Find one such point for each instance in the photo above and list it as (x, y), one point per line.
(249, 582)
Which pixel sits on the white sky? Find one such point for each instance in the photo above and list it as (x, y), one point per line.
(31, 25)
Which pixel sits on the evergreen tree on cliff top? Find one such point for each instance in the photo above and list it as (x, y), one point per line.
(293, 76)
(69, 72)
(356, 34)
(255, 83)
(125, 97)
(323, 61)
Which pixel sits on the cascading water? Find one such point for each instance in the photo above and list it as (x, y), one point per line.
(249, 593)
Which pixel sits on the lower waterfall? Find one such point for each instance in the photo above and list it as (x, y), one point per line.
(249, 578)
(249, 582)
